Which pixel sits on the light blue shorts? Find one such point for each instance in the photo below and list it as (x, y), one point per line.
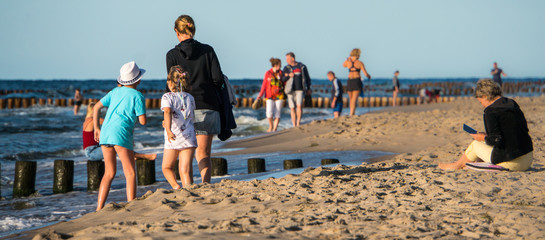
(207, 122)
(94, 152)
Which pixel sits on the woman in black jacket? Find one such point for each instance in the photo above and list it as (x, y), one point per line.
(506, 142)
(206, 79)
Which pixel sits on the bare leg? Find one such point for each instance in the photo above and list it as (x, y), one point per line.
(293, 117)
(186, 166)
(203, 152)
(353, 95)
(169, 162)
(336, 114)
(110, 166)
(127, 161)
(299, 115)
(270, 125)
(394, 98)
(151, 156)
(460, 164)
(275, 125)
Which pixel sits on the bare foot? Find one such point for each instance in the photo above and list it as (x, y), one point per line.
(450, 166)
(269, 130)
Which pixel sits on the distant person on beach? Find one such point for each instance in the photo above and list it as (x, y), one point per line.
(427, 96)
(506, 141)
(300, 84)
(423, 96)
(336, 94)
(205, 80)
(125, 105)
(180, 138)
(395, 88)
(91, 148)
(273, 89)
(78, 100)
(497, 73)
(354, 85)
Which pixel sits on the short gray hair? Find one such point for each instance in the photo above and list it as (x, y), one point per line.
(487, 88)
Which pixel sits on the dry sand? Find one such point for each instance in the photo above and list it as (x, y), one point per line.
(405, 197)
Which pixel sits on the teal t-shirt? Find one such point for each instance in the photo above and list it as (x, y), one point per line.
(124, 106)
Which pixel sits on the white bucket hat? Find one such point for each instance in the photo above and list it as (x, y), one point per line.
(130, 74)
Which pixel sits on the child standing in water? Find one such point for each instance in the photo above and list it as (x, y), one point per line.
(125, 104)
(180, 137)
(78, 100)
(336, 94)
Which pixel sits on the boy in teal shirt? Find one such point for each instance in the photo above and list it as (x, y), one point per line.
(125, 104)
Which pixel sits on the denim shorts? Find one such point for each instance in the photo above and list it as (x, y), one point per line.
(338, 106)
(207, 122)
(93, 152)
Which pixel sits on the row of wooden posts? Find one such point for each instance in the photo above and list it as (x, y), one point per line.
(155, 103)
(449, 88)
(63, 173)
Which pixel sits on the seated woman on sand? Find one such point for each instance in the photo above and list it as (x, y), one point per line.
(506, 142)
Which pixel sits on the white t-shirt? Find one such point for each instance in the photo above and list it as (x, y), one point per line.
(182, 106)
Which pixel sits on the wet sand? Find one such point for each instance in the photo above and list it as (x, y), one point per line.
(403, 197)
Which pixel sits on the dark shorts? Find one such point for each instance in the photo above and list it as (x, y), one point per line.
(78, 103)
(338, 106)
(354, 84)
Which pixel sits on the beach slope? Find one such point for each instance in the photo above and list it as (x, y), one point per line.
(405, 197)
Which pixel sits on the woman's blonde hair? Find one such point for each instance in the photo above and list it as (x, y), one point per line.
(356, 52)
(178, 76)
(275, 62)
(488, 89)
(184, 24)
(90, 108)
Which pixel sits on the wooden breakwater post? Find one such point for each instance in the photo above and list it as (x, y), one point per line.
(219, 166)
(63, 176)
(95, 172)
(25, 178)
(256, 165)
(145, 171)
(293, 163)
(329, 161)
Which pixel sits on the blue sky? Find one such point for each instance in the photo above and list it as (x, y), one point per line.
(422, 38)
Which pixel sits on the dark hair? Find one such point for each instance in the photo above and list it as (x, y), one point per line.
(291, 54)
(397, 71)
(332, 73)
(275, 61)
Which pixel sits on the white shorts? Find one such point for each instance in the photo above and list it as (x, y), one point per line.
(295, 98)
(274, 108)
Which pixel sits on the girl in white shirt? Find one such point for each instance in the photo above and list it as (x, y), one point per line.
(180, 138)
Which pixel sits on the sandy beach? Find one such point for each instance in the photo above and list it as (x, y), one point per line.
(405, 196)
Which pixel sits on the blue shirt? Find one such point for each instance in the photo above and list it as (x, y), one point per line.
(124, 105)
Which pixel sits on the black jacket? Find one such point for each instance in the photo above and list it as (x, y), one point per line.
(506, 130)
(205, 75)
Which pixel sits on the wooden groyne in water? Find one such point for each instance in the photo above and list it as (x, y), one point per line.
(449, 91)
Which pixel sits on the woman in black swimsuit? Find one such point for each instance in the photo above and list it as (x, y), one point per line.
(354, 85)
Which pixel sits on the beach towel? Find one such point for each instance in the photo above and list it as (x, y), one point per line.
(487, 167)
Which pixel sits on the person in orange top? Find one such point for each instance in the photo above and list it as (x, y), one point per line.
(273, 89)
